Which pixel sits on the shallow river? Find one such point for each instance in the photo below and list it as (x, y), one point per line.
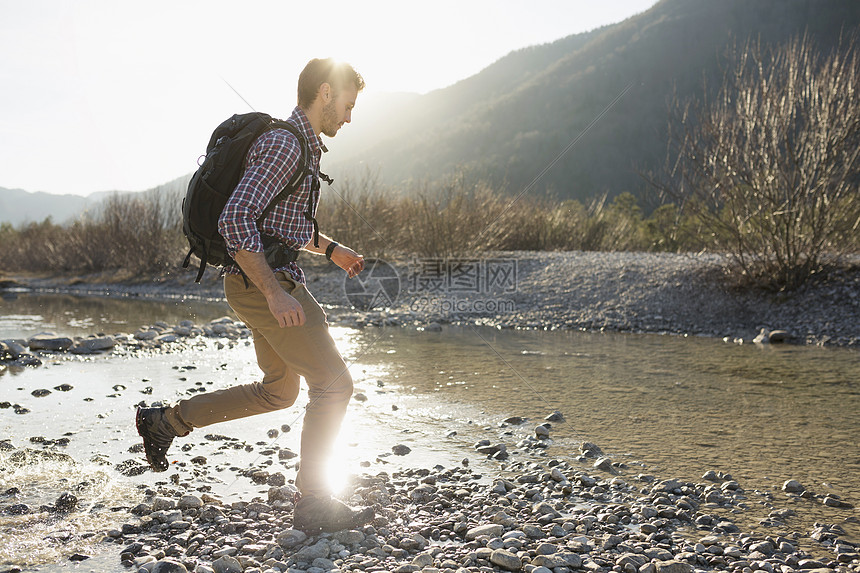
(665, 406)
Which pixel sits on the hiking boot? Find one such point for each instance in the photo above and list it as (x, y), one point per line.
(157, 434)
(315, 514)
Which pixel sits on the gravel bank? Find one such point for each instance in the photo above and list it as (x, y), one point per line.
(621, 292)
(529, 514)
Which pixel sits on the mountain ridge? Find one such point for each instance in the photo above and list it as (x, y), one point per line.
(510, 130)
(525, 120)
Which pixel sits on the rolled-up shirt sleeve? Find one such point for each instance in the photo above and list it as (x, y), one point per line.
(270, 163)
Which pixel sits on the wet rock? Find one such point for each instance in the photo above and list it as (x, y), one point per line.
(64, 388)
(13, 350)
(603, 464)
(488, 449)
(515, 420)
(77, 557)
(542, 431)
(95, 344)
(555, 417)
(66, 502)
(667, 486)
(131, 468)
(286, 454)
(40, 393)
(590, 450)
(834, 501)
(764, 547)
(27, 360)
(146, 335)
(401, 450)
(168, 566)
(19, 509)
(49, 341)
(779, 336)
(793, 486)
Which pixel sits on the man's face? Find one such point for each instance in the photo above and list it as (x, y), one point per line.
(338, 111)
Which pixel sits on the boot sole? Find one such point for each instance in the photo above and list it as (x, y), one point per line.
(138, 422)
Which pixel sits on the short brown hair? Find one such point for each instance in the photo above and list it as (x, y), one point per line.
(320, 71)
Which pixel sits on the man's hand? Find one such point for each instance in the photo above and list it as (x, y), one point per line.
(348, 260)
(286, 309)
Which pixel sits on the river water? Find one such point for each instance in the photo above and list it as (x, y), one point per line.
(665, 406)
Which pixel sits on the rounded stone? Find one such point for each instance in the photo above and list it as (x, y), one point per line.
(793, 486)
(506, 560)
(168, 566)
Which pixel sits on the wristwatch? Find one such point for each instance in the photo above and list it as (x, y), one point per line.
(330, 249)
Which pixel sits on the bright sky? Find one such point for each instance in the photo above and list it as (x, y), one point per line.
(98, 95)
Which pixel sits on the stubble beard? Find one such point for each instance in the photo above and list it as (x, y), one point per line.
(330, 125)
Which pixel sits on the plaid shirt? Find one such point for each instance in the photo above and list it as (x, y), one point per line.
(271, 161)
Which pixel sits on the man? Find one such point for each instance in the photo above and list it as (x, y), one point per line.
(290, 331)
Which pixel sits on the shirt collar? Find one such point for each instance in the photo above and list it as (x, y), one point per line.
(304, 125)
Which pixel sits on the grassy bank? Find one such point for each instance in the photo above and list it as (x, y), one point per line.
(141, 235)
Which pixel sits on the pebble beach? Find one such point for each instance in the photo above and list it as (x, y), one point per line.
(507, 505)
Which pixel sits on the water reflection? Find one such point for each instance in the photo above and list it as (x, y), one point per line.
(71, 315)
(666, 405)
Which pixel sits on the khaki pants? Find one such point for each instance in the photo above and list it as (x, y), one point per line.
(283, 355)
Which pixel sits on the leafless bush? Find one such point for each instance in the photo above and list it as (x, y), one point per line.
(770, 165)
(132, 235)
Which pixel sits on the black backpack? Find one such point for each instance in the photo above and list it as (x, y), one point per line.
(217, 178)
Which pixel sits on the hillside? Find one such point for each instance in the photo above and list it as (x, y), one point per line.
(511, 120)
(509, 123)
(20, 207)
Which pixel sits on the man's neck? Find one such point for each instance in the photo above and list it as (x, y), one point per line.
(314, 117)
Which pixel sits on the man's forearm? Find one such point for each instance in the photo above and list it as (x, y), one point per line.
(257, 270)
(324, 243)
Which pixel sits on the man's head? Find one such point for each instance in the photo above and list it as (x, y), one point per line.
(327, 91)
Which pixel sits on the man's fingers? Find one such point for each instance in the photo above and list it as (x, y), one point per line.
(292, 318)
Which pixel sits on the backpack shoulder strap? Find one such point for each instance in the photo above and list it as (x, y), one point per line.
(299, 174)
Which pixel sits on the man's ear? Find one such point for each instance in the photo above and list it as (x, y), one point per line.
(326, 93)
